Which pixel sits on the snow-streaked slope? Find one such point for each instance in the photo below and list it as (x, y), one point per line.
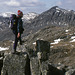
(6, 14)
(30, 16)
(27, 16)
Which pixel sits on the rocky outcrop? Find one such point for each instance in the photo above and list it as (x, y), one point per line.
(16, 64)
(43, 68)
(1, 64)
(34, 62)
(70, 72)
(1, 61)
(42, 50)
(39, 64)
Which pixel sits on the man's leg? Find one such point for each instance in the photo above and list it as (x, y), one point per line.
(15, 43)
(20, 40)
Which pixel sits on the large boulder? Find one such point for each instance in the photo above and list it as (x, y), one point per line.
(39, 64)
(43, 49)
(35, 67)
(16, 64)
(43, 68)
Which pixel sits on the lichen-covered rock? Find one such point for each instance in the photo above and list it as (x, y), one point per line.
(43, 68)
(16, 64)
(35, 67)
(70, 72)
(38, 67)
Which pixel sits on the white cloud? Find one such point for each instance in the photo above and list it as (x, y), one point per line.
(12, 3)
(34, 5)
(22, 3)
(69, 1)
(59, 3)
(28, 1)
(67, 4)
(25, 5)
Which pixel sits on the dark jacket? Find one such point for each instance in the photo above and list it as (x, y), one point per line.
(19, 28)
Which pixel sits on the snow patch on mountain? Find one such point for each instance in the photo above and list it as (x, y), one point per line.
(30, 16)
(56, 41)
(72, 39)
(6, 14)
(66, 30)
(2, 48)
(63, 10)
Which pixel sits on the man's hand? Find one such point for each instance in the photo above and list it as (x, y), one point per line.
(18, 35)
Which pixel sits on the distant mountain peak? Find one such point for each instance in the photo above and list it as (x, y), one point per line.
(54, 7)
(58, 9)
(30, 15)
(55, 16)
(6, 14)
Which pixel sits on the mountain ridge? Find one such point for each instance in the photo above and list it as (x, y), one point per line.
(55, 16)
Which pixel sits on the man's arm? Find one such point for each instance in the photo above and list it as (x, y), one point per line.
(18, 29)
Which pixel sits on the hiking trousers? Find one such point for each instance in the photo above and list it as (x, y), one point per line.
(16, 41)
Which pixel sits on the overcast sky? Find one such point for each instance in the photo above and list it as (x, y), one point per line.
(37, 6)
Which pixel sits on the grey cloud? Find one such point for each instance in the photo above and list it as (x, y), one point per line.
(22, 3)
(67, 4)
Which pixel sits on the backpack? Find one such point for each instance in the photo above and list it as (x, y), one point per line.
(13, 22)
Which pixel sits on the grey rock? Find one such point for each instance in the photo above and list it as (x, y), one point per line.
(38, 68)
(43, 68)
(39, 65)
(70, 72)
(29, 63)
(42, 48)
(35, 67)
(1, 65)
(16, 64)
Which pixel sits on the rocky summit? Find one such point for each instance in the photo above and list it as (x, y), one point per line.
(24, 63)
(48, 45)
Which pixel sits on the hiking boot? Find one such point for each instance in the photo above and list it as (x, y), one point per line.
(14, 52)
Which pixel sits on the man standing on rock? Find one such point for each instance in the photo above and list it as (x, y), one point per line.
(18, 29)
